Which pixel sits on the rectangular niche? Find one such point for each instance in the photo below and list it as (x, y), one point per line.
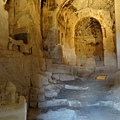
(101, 77)
(22, 36)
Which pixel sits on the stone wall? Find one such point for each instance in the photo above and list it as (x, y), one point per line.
(73, 11)
(21, 55)
(4, 31)
(12, 106)
(24, 23)
(117, 30)
(20, 42)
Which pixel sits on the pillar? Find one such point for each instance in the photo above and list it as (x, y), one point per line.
(117, 19)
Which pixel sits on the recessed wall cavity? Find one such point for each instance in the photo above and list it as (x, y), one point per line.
(89, 41)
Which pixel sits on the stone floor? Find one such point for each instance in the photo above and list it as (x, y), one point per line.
(81, 100)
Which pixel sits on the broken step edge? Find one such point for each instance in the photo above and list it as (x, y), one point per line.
(60, 102)
(72, 87)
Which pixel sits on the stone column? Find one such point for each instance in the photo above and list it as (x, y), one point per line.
(4, 32)
(117, 19)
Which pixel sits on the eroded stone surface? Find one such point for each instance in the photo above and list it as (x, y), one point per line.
(12, 106)
(52, 90)
(64, 114)
(45, 43)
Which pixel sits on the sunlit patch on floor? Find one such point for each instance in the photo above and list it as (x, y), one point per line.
(101, 77)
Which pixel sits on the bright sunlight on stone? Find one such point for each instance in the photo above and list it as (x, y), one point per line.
(101, 77)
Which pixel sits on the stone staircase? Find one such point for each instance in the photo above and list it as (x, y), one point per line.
(47, 84)
(50, 78)
(74, 96)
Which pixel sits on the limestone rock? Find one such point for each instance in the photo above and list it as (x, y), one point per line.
(72, 87)
(48, 75)
(90, 62)
(65, 77)
(42, 64)
(53, 103)
(59, 68)
(8, 92)
(33, 104)
(39, 80)
(117, 78)
(56, 54)
(75, 103)
(52, 90)
(34, 90)
(56, 76)
(41, 97)
(117, 106)
(11, 104)
(61, 114)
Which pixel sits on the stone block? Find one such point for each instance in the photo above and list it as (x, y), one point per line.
(41, 97)
(26, 49)
(46, 54)
(55, 76)
(39, 80)
(33, 104)
(61, 114)
(58, 68)
(65, 77)
(81, 72)
(35, 62)
(75, 103)
(73, 71)
(90, 62)
(54, 102)
(56, 54)
(116, 106)
(48, 75)
(14, 106)
(48, 61)
(52, 90)
(42, 64)
(33, 97)
(34, 90)
(8, 92)
(117, 78)
(72, 87)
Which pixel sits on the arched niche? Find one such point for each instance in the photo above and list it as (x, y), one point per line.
(89, 41)
(104, 19)
(106, 24)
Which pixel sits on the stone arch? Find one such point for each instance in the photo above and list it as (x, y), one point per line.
(105, 22)
(103, 17)
(89, 41)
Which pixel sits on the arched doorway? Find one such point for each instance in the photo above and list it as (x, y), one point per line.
(89, 42)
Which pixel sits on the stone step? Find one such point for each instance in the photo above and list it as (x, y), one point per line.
(59, 68)
(60, 102)
(67, 69)
(106, 69)
(74, 103)
(72, 113)
(35, 96)
(60, 114)
(73, 87)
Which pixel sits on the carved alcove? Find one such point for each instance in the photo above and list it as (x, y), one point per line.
(18, 31)
(89, 40)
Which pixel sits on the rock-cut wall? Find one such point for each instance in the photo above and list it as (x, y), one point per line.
(20, 42)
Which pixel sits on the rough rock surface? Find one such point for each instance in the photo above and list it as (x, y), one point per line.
(12, 106)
